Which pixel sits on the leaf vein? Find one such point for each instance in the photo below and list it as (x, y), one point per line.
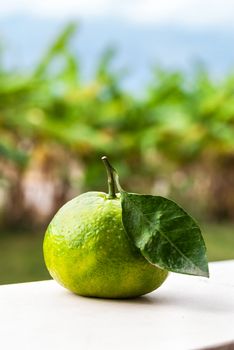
(162, 234)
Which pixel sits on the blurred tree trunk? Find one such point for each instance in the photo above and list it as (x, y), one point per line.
(14, 214)
(222, 190)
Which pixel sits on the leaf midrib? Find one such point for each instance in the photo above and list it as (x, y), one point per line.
(163, 235)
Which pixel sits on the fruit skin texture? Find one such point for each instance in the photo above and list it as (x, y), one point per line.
(87, 250)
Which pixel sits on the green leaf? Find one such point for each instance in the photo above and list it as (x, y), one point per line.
(165, 234)
(58, 47)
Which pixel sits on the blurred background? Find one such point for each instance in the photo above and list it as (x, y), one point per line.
(149, 84)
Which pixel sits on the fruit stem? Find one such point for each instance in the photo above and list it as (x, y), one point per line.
(111, 178)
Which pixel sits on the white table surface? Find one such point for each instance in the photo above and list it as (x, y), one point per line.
(185, 313)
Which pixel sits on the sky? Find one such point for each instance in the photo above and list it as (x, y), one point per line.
(192, 13)
(175, 34)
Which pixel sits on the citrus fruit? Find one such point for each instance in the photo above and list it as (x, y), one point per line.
(88, 251)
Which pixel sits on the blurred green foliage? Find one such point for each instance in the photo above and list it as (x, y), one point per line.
(177, 138)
